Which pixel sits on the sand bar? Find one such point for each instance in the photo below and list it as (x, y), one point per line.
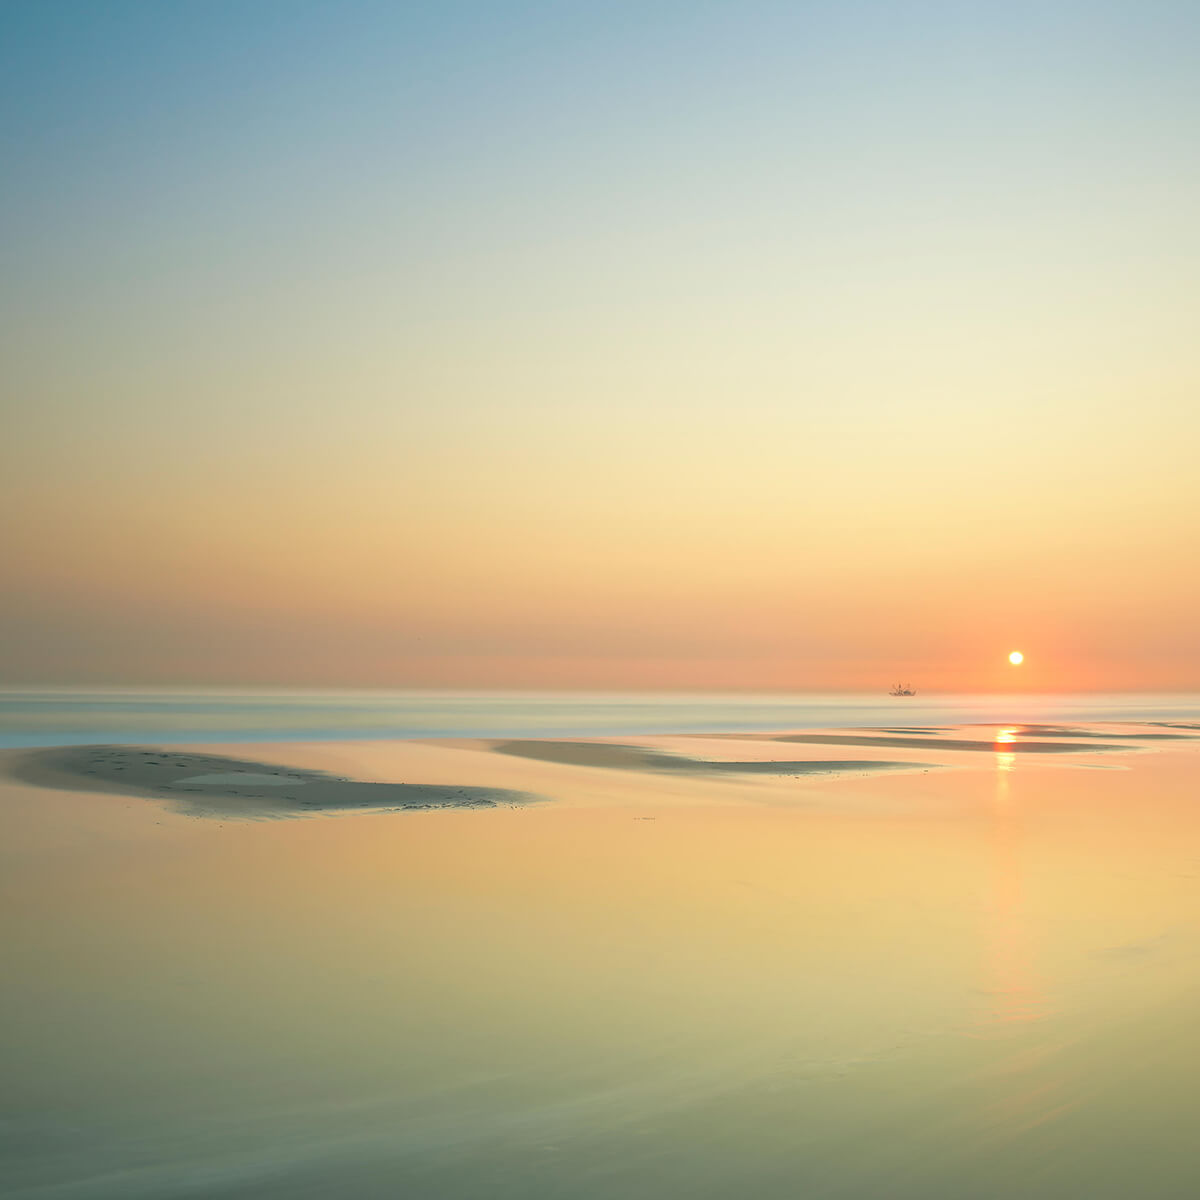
(640, 758)
(212, 785)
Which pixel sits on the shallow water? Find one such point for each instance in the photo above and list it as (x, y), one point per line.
(973, 982)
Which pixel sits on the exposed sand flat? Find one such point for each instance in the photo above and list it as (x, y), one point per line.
(910, 729)
(1076, 731)
(1016, 746)
(641, 758)
(211, 785)
(1044, 731)
(242, 779)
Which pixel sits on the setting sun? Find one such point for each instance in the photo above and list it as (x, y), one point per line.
(1016, 658)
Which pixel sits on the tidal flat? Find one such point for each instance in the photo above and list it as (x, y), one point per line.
(955, 969)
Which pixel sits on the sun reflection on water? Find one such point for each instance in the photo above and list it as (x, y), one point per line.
(1005, 759)
(1022, 1089)
(1014, 994)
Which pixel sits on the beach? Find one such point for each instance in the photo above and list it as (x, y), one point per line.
(783, 962)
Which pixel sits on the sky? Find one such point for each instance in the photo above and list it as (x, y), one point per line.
(628, 345)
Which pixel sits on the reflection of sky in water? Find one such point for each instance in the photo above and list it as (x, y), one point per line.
(67, 717)
(1025, 1087)
(941, 991)
(1012, 988)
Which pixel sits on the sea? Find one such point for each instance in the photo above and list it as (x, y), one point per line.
(975, 980)
(62, 717)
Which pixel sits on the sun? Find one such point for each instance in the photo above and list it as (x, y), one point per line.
(1016, 658)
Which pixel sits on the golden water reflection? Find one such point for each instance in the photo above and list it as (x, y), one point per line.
(1024, 1088)
(890, 987)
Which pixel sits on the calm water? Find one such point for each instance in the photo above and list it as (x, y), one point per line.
(977, 982)
(49, 718)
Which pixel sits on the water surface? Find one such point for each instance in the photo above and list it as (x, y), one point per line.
(51, 717)
(976, 981)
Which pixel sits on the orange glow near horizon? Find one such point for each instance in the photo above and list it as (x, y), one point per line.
(723, 418)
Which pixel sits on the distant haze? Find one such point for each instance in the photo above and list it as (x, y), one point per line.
(657, 345)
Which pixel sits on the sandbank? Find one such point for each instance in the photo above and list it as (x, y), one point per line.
(640, 758)
(213, 785)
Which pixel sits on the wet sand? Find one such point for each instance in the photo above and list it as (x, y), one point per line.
(620, 757)
(1138, 733)
(214, 785)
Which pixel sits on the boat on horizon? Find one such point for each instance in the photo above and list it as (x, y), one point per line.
(903, 689)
